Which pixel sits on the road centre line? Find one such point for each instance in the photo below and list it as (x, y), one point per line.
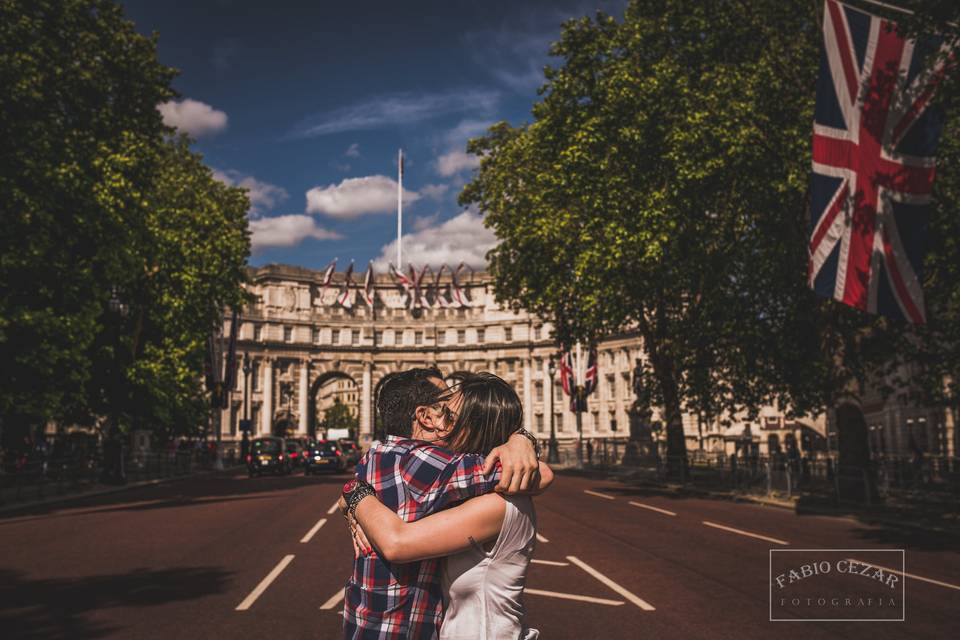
(745, 533)
(640, 602)
(334, 507)
(250, 599)
(312, 531)
(909, 575)
(333, 601)
(541, 538)
(652, 508)
(599, 495)
(552, 563)
(573, 596)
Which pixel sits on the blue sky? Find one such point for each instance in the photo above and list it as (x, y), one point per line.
(307, 103)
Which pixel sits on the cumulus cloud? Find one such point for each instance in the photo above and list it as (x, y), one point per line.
(424, 222)
(355, 197)
(463, 238)
(454, 162)
(434, 191)
(286, 231)
(353, 151)
(193, 117)
(398, 109)
(263, 195)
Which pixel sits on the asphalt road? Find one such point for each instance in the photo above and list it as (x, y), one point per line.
(194, 559)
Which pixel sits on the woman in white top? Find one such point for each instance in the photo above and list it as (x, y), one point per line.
(488, 541)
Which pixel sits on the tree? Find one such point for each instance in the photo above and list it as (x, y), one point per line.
(339, 416)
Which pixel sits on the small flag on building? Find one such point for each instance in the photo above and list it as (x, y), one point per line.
(345, 298)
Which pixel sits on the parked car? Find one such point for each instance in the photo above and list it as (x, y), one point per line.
(351, 451)
(325, 455)
(268, 454)
(295, 452)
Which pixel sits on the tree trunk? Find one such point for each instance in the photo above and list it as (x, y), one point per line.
(856, 478)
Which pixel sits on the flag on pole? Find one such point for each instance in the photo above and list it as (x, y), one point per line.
(327, 278)
(578, 369)
(874, 139)
(419, 294)
(460, 298)
(440, 297)
(345, 299)
(404, 283)
(368, 285)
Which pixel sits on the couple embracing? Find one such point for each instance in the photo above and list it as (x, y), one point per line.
(441, 514)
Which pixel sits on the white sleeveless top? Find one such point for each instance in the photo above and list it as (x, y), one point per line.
(483, 590)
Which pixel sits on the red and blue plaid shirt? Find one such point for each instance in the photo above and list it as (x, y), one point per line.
(385, 600)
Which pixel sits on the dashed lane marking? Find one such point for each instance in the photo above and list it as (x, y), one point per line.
(334, 507)
(312, 531)
(277, 570)
(909, 575)
(573, 596)
(745, 533)
(541, 538)
(652, 508)
(599, 495)
(333, 601)
(635, 599)
(552, 563)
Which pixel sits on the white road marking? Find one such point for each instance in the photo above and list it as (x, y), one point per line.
(540, 538)
(552, 563)
(652, 508)
(312, 531)
(333, 601)
(334, 507)
(250, 599)
(640, 602)
(599, 495)
(745, 533)
(573, 596)
(909, 575)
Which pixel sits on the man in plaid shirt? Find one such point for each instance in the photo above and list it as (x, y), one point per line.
(415, 477)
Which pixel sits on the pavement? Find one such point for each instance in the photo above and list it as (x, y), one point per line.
(222, 555)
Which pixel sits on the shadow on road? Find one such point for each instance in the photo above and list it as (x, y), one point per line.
(64, 608)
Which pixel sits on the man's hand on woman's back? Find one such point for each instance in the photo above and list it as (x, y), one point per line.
(520, 469)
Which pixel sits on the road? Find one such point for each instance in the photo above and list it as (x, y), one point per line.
(230, 557)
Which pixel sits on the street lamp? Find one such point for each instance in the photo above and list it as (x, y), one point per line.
(553, 455)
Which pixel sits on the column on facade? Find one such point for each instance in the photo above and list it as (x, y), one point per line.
(302, 404)
(366, 416)
(619, 403)
(266, 414)
(527, 396)
(547, 396)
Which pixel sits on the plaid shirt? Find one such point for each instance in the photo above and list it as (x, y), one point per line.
(385, 600)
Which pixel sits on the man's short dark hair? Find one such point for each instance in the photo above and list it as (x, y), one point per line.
(400, 393)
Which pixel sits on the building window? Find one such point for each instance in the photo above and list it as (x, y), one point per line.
(288, 334)
(511, 365)
(418, 337)
(557, 392)
(257, 332)
(335, 336)
(481, 335)
(536, 332)
(355, 336)
(461, 336)
(441, 336)
(255, 377)
(507, 334)
(398, 337)
(558, 420)
(539, 420)
(315, 335)
(538, 389)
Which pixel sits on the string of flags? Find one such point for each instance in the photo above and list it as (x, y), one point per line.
(418, 290)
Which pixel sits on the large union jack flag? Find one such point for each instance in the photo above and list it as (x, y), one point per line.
(874, 140)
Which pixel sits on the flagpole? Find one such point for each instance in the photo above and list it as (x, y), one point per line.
(400, 210)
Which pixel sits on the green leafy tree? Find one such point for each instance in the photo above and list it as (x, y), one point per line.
(339, 416)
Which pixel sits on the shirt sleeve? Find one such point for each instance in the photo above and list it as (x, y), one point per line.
(436, 477)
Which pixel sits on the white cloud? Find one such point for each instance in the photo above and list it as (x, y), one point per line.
(456, 161)
(399, 109)
(463, 238)
(353, 151)
(423, 222)
(263, 195)
(434, 191)
(287, 231)
(355, 197)
(193, 117)
(457, 137)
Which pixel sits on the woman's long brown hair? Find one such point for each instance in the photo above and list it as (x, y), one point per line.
(489, 414)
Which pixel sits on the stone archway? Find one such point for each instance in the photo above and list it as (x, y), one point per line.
(322, 380)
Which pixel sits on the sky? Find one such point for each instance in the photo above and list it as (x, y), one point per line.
(307, 103)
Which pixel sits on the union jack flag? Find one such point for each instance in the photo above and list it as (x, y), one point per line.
(368, 291)
(345, 298)
(327, 278)
(874, 139)
(572, 366)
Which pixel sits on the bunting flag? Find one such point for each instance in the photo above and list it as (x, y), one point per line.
(574, 371)
(327, 279)
(440, 297)
(459, 295)
(874, 140)
(230, 373)
(419, 291)
(345, 299)
(404, 283)
(368, 292)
